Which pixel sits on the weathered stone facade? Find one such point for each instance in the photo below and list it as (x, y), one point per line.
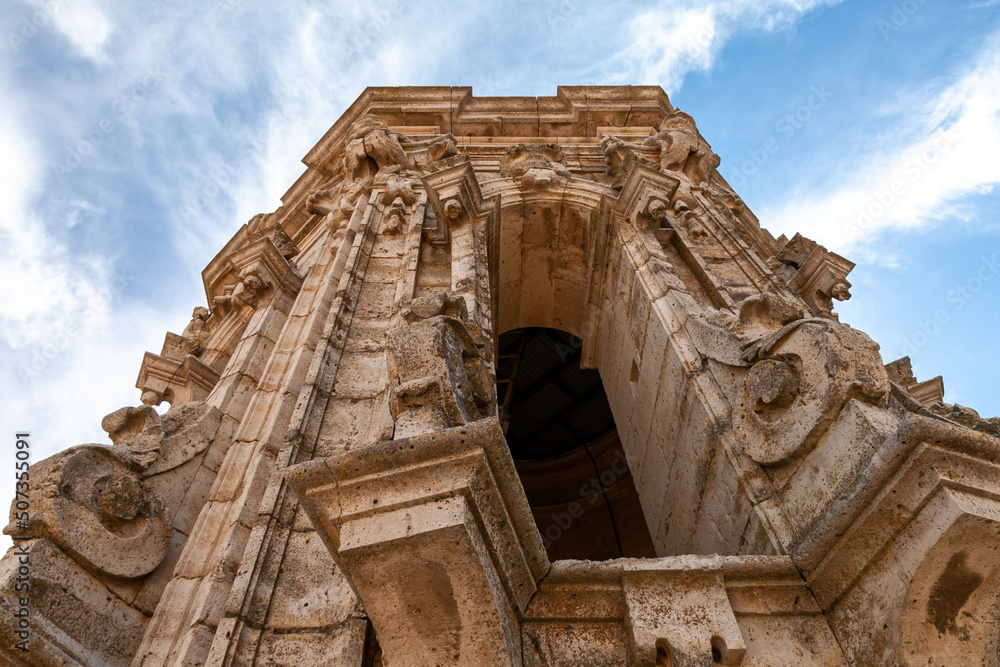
(332, 484)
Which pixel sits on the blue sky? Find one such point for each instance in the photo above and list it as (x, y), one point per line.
(135, 138)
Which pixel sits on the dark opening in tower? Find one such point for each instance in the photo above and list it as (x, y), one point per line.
(566, 448)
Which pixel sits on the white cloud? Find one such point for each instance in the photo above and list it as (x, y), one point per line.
(683, 36)
(317, 78)
(74, 333)
(943, 150)
(84, 25)
(55, 287)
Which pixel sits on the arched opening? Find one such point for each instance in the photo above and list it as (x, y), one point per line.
(567, 449)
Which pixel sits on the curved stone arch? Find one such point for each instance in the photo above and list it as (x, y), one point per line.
(574, 258)
(546, 253)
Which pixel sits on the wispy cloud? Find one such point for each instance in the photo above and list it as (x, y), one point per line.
(942, 150)
(168, 169)
(682, 36)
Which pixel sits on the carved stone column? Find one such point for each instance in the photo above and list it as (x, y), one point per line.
(432, 528)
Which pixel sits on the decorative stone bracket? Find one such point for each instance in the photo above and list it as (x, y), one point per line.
(260, 258)
(176, 381)
(680, 614)
(437, 539)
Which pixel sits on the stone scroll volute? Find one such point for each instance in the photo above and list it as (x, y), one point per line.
(100, 504)
(91, 501)
(803, 374)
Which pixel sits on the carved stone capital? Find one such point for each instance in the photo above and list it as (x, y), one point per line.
(174, 381)
(928, 392)
(454, 194)
(242, 280)
(814, 273)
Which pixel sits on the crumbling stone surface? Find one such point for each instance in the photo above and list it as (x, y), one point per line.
(332, 484)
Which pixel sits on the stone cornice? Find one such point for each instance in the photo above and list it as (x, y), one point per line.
(573, 111)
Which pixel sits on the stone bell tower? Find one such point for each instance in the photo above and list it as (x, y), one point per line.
(517, 381)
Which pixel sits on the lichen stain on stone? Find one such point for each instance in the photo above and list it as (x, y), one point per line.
(950, 593)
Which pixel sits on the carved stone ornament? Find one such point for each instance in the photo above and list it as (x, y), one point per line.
(816, 274)
(173, 376)
(678, 145)
(535, 166)
(91, 501)
(195, 334)
(442, 303)
(967, 417)
(371, 145)
(394, 217)
(443, 380)
(244, 293)
(338, 202)
(803, 374)
(137, 431)
(158, 443)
